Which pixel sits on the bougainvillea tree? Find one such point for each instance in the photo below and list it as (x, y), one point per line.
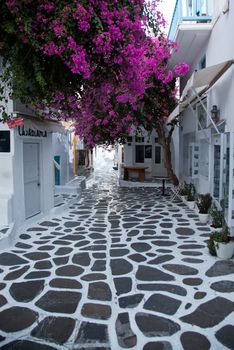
(102, 63)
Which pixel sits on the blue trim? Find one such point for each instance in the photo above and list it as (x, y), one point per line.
(192, 12)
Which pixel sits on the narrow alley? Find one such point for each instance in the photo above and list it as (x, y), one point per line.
(122, 268)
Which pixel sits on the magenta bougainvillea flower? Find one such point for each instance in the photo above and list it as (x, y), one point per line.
(114, 59)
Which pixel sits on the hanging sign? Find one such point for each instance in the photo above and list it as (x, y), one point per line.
(25, 131)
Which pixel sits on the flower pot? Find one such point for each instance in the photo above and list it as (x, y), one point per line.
(224, 250)
(191, 204)
(184, 198)
(203, 218)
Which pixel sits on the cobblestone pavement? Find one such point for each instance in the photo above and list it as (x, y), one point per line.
(123, 268)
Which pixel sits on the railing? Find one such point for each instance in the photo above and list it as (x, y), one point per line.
(192, 11)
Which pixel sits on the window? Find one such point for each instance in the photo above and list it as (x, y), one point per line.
(139, 139)
(5, 141)
(193, 161)
(157, 155)
(202, 63)
(202, 116)
(140, 153)
(148, 151)
(129, 139)
(204, 158)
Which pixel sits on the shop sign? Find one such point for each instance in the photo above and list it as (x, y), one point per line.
(5, 141)
(24, 131)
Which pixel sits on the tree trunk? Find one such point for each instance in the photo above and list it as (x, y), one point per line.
(165, 142)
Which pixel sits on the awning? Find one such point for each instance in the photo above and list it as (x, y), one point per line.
(50, 126)
(198, 84)
(183, 105)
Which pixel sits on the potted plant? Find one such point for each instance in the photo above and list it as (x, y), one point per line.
(184, 192)
(224, 244)
(191, 196)
(217, 217)
(204, 203)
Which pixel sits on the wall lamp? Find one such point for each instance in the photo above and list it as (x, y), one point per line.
(215, 113)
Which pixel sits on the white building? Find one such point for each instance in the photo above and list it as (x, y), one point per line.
(144, 151)
(26, 167)
(204, 31)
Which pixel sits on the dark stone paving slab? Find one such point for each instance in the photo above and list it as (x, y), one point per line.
(37, 274)
(126, 337)
(3, 300)
(61, 260)
(95, 247)
(43, 265)
(120, 267)
(225, 336)
(180, 269)
(37, 256)
(65, 283)
(99, 291)
(171, 288)
(46, 248)
(17, 318)
(26, 291)
(49, 224)
(223, 286)
(162, 303)
(199, 295)
(71, 224)
(92, 334)
(93, 277)
(210, 313)
(191, 246)
(69, 270)
(193, 261)
(184, 231)
(161, 259)
(2, 285)
(23, 245)
(99, 265)
(161, 243)
(146, 273)
(141, 247)
(137, 257)
(97, 311)
(123, 285)
(221, 268)
(25, 236)
(130, 301)
(32, 229)
(99, 255)
(192, 281)
(194, 341)
(118, 252)
(59, 301)
(50, 328)
(153, 326)
(26, 345)
(9, 259)
(158, 345)
(82, 259)
(16, 274)
(63, 251)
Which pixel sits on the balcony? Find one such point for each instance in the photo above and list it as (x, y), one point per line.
(189, 12)
(190, 28)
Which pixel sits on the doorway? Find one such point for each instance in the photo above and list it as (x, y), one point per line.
(31, 179)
